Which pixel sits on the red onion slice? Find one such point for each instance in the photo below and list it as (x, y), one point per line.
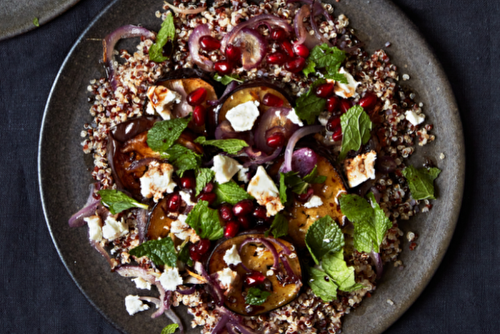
(285, 249)
(303, 36)
(183, 108)
(273, 117)
(268, 245)
(102, 251)
(229, 89)
(162, 307)
(212, 286)
(377, 262)
(221, 324)
(314, 25)
(259, 158)
(136, 271)
(140, 163)
(302, 132)
(253, 47)
(303, 161)
(185, 11)
(175, 319)
(289, 271)
(88, 210)
(194, 48)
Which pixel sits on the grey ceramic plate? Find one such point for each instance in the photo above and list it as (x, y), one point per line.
(64, 169)
(16, 16)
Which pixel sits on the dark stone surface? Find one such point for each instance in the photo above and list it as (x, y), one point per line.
(38, 294)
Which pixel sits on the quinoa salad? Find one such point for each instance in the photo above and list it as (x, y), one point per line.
(251, 163)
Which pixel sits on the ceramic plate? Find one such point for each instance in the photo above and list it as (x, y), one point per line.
(64, 170)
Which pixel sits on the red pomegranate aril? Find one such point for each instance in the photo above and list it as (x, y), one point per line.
(193, 252)
(278, 34)
(209, 43)
(295, 65)
(337, 134)
(276, 58)
(255, 278)
(324, 90)
(209, 197)
(203, 246)
(199, 115)
(233, 54)
(287, 48)
(243, 208)
(333, 122)
(345, 105)
(301, 50)
(305, 196)
(197, 97)
(271, 100)
(174, 203)
(226, 213)
(231, 229)
(332, 104)
(244, 222)
(188, 182)
(223, 67)
(276, 140)
(208, 188)
(368, 101)
(260, 212)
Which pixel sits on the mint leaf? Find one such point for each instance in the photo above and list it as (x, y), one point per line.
(170, 329)
(309, 106)
(205, 221)
(35, 22)
(256, 296)
(324, 236)
(183, 159)
(184, 255)
(163, 134)
(381, 223)
(279, 227)
(324, 289)
(337, 77)
(203, 177)
(297, 184)
(226, 79)
(329, 58)
(356, 126)
(166, 33)
(310, 68)
(230, 192)
(116, 201)
(313, 177)
(161, 252)
(421, 181)
(344, 276)
(231, 146)
(283, 197)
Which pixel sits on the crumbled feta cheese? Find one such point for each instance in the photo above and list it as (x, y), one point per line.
(161, 100)
(314, 202)
(226, 278)
(243, 174)
(170, 279)
(360, 168)
(270, 273)
(232, 256)
(414, 118)
(243, 116)
(186, 197)
(114, 229)
(141, 283)
(95, 227)
(323, 118)
(442, 156)
(157, 180)
(183, 230)
(343, 90)
(133, 305)
(266, 193)
(292, 115)
(225, 168)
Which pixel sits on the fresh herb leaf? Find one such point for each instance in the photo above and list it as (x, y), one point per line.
(310, 68)
(183, 159)
(309, 106)
(313, 177)
(283, 196)
(230, 192)
(231, 146)
(256, 296)
(166, 33)
(226, 79)
(297, 184)
(184, 255)
(336, 267)
(421, 181)
(329, 58)
(203, 177)
(163, 134)
(356, 126)
(279, 227)
(116, 201)
(205, 221)
(324, 236)
(324, 289)
(381, 223)
(339, 77)
(170, 329)
(161, 252)
(35, 22)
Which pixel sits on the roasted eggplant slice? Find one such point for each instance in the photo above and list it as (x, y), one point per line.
(255, 257)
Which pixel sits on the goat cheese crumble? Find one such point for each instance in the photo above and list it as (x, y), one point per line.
(134, 305)
(314, 202)
(95, 227)
(114, 229)
(360, 168)
(157, 180)
(266, 193)
(170, 279)
(232, 257)
(243, 116)
(161, 100)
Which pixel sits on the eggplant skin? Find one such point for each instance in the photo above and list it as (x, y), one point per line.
(190, 73)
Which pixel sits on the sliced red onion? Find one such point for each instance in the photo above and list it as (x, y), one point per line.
(136, 271)
(110, 41)
(289, 271)
(376, 193)
(229, 90)
(268, 245)
(141, 223)
(185, 11)
(88, 210)
(140, 163)
(194, 47)
(285, 249)
(314, 25)
(386, 164)
(303, 161)
(212, 286)
(259, 158)
(188, 291)
(377, 262)
(273, 117)
(175, 319)
(103, 252)
(302, 132)
(225, 131)
(303, 36)
(153, 300)
(183, 108)
(253, 47)
(162, 308)
(241, 328)
(221, 324)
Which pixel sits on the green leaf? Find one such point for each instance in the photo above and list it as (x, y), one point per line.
(161, 252)
(381, 223)
(116, 201)
(283, 197)
(297, 184)
(231, 146)
(163, 134)
(230, 192)
(166, 33)
(344, 276)
(203, 177)
(35, 22)
(184, 255)
(205, 221)
(356, 126)
(329, 58)
(256, 296)
(226, 79)
(421, 181)
(170, 329)
(313, 177)
(324, 236)
(279, 227)
(309, 106)
(183, 159)
(326, 290)
(310, 68)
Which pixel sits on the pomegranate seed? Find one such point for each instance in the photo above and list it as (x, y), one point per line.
(203, 246)
(233, 54)
(276, 58)
(193, 252)
(209, 197)
(295, 65)
(260, 212)
(333, 122)
(332, 103)
(187, 182)
(287, 47)
(174, 203)
(368, 101)
(209, 43)
(208, 188)
(197, 97)
(305, 196)
(243, 208)
(345, 105)
(223, 67)
(199, 115)
(337, 134)
(301, 50)
(255, 278)
(272, 100)
(324, 90)
(278, 34)
(231, 229)
(276, 140)
(226, 213)
(244, 222)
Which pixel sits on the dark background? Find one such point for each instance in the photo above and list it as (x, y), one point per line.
(38, 296)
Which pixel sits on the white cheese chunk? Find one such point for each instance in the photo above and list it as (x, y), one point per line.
(292, 116)
(226, 278)
(243, 116)
(157, 180)
(232, 257)
(161, 100)
(140, 283)
(360, 168)
(343, 90)
(170, 279)
(95, 227)
(414, 118)
(243, 174)
(186, 197)
(133, 305)
(114, 229)
(266, 193)
(183, 230)
(225, 168)
(314, 202)
(323, 118)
